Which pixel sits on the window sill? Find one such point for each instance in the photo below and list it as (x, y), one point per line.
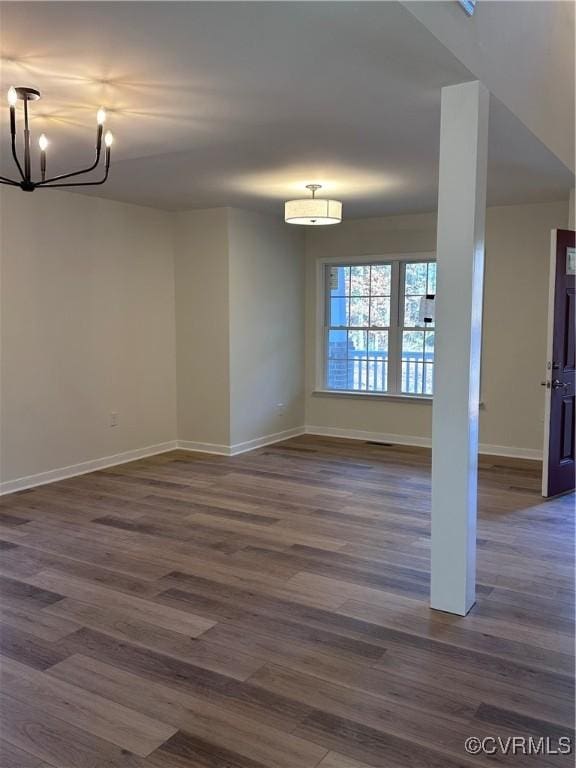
(373, 395)
(378, 396)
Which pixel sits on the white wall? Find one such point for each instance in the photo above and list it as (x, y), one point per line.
(266, 325)
(240, 326)
(515, 310)
(189, 326)
(87, 328)
(202, 326)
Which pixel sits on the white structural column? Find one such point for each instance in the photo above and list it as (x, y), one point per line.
(460, 259)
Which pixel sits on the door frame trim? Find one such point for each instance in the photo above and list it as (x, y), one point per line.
(548, 374)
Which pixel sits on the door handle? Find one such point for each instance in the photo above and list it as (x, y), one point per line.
(557, 384)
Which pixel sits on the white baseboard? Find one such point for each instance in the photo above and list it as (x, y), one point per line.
(63, 473)
(421, 442)
(53, 475)
(377, 437)
(510, 451)
(260, 442)
(237, 448)
(214, 448)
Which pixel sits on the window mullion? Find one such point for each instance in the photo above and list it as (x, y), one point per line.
(326, 325)
(393, 331)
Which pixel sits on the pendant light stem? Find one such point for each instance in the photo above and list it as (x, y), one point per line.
(13, 139)
(26, 143)
(313, 188)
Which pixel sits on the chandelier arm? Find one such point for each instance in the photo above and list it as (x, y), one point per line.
(79, 183)
(9, 182)
(74, 173)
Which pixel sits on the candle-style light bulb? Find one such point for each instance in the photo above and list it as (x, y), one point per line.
(12, 99)
(101, 116)
(43, 143)
(108, 139)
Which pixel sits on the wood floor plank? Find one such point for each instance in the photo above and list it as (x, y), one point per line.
(394, 578)
(21, 646)
(237, 695)
(441, 734)
(13, 757)
(56, 540)
(336, 760)
(220, 610)
(184, 749)
(36, 732)
(101, 717)
(471, 641)
(26, 593)
(230, 662)
(217, 526)
(395, 611)
(373, 746)
(6, 545)
(368, 631)
(151, 612)
(195, 717)
(38, 622)
(394, 718)
(330, 667)
(232, 512)
(264, 584)
(457, 680)
(521, 724)
(106, 577)
(271, 610)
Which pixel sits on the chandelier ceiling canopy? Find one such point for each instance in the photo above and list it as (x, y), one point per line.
(25, 180)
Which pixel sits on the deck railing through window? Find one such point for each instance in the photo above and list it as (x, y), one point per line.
(369, 373)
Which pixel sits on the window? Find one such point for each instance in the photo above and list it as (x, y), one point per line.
(374, 338)
(417, 357)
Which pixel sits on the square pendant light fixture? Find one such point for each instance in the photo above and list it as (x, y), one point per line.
(313, 211)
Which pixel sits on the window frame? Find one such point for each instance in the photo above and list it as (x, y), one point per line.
(403, 327)
(397, 262)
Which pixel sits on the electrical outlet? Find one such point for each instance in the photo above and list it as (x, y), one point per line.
(113, 419)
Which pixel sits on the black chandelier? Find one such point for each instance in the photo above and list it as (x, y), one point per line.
(25, 182)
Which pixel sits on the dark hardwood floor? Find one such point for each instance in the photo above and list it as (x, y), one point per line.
(271, 611)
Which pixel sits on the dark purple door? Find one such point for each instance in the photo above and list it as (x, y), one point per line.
(559, 464)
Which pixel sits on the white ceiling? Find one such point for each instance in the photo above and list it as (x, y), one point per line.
(523, 51)
(243, 104)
